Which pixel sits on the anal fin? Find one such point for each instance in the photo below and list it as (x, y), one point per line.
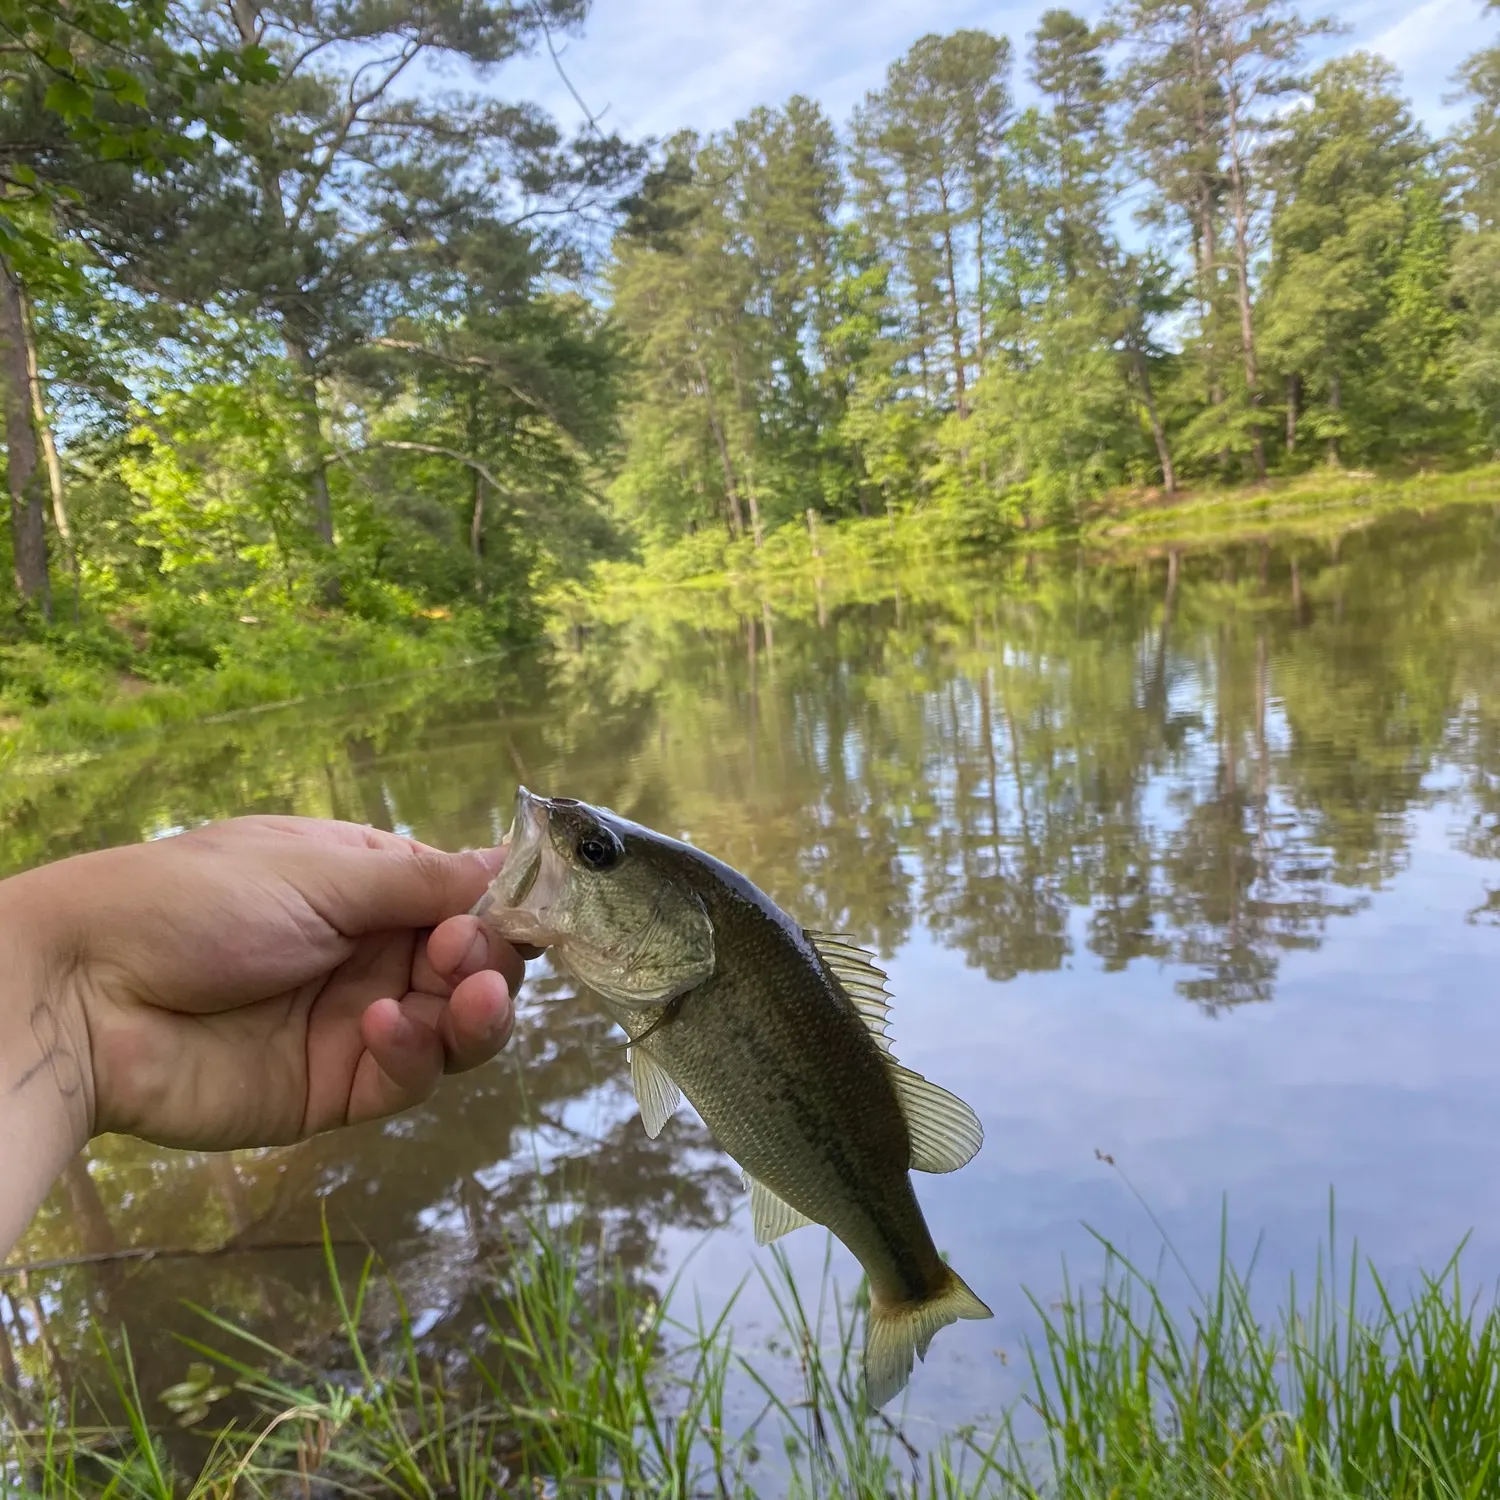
(771, 1216)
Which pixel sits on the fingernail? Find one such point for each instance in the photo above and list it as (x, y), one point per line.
(478, 956)
(499, 1024)
(490, 859)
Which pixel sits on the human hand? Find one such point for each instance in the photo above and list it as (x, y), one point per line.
(248, 983)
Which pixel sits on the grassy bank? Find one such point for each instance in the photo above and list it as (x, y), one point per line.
(1320, 503)
(585, 1384)
(67, 688)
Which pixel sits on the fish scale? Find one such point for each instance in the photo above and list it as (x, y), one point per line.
(751, 1058)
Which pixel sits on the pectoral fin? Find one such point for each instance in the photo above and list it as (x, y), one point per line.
(655, 1092)
(770, 1216)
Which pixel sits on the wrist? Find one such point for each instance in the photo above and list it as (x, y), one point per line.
(46, 1068)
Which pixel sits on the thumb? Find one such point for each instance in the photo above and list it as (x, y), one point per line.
(360, 890)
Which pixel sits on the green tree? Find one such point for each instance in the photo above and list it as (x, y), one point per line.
(1175, 131)
(90, 92)
(1258, 46)
(924, 164)
(730, 295)
(1476, 260)
(1057, 411)
(310, 217)
(1348, 167)
(1205, 83)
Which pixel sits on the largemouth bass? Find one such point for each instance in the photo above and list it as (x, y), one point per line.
(776, 1035)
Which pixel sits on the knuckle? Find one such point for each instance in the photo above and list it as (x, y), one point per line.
(431, 865)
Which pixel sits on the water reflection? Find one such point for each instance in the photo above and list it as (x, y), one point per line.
(1197, 759)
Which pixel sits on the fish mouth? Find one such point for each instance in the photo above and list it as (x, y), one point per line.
(518, 904)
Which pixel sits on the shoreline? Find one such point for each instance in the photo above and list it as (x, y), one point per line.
(91, 707)
(1313, 504)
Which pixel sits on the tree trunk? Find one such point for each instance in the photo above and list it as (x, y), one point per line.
(28, 526)
(44, 431)
(314, 461)
(1148, 397)
(1293, 410)
(913, 269)
(757, 534)
(1207, 236)
(476, 528)
(1241, 209)
(312, 437)
(1335, 403)
(476, 511)
(960, 396)
(979, 284)
(274, 212)
(752, 500)
(731, 492)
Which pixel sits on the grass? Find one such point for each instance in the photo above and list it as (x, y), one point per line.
(584, 1384)
(1320, 502)
(69, 691)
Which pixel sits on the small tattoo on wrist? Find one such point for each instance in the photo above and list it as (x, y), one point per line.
(56, 1053)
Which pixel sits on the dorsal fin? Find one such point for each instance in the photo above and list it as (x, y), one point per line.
(863, 982)
(945, 1132)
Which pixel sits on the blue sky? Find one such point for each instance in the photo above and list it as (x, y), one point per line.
(654, 66)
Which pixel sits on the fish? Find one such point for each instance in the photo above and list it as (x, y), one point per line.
(776, 1036)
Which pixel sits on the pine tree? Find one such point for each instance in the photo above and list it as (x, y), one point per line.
(1476, 260)
(924, 165)
(1345, 172)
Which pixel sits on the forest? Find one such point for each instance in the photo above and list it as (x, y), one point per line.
(1192, 259)
(315, 350)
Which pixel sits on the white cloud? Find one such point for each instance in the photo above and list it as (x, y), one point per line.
(661, 65)
(696, 63)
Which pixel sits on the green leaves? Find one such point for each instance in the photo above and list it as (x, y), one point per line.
(70, 99)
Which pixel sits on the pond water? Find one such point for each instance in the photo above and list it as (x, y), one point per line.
(1185, 867)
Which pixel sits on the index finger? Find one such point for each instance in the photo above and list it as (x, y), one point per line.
(333, 831)
(359, 890)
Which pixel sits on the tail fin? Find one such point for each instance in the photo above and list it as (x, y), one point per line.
(902, 1329)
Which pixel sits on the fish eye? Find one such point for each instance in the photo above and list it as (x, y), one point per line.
(598, 849)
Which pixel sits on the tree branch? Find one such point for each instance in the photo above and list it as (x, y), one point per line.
(588, 114)
(437, 451)
(319, 174)
(470, 362)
